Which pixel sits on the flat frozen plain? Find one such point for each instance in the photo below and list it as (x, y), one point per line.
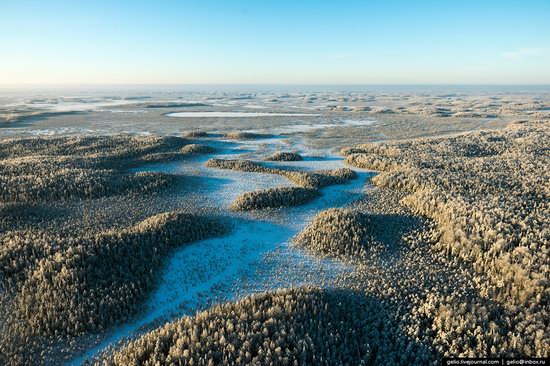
(237, 114)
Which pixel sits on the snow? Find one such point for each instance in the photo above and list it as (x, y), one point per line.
(305, 127)
(7, 131)
(237, 114)
(358, 122)
(254, 256)
(255, 106)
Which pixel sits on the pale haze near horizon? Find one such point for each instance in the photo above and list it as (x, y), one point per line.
(275, 42)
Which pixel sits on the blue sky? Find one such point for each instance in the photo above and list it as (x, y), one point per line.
(281, 42)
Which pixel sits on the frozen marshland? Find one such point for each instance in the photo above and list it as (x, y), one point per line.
(144, 226)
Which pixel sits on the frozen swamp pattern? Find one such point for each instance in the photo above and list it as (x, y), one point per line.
(254, 257)
(256, 254)
(327, 118)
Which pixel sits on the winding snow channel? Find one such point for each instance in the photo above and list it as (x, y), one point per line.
(254, 256)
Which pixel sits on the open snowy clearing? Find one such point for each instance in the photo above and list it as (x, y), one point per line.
(237, 114)
(255, 256)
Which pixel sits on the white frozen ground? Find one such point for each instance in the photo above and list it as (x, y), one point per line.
(305, 127)
(236, 114)
(69, 104)
(255, 256)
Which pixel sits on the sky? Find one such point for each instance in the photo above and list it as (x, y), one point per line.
(274, 42)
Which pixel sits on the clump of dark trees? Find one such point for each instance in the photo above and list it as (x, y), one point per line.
(337, 232)
(317, 179)
(274, 197)
(284, 156)
(305, 326)
(240, 135)
(195, 149)
(309, 184)
(61, 168)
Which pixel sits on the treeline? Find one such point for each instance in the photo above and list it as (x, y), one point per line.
(284, 156)
(316, 180)
(61, 168)
(274, 197)
(337, 232)
(240, 135)
(286, 327)
(196, 149)
(309, 184)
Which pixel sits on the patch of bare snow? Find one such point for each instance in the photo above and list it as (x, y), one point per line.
(237, 114)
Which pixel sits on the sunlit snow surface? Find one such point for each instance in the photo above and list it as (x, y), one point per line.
(254, 256)
(70, 104)
(237, 114)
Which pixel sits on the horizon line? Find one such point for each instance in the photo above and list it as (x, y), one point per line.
(281, 84)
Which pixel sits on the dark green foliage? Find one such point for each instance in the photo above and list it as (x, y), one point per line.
(336, 232)
(61, 168)
(195, 149)
(274, 197)
(285, 156)
(287, 327)
(316, 180)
